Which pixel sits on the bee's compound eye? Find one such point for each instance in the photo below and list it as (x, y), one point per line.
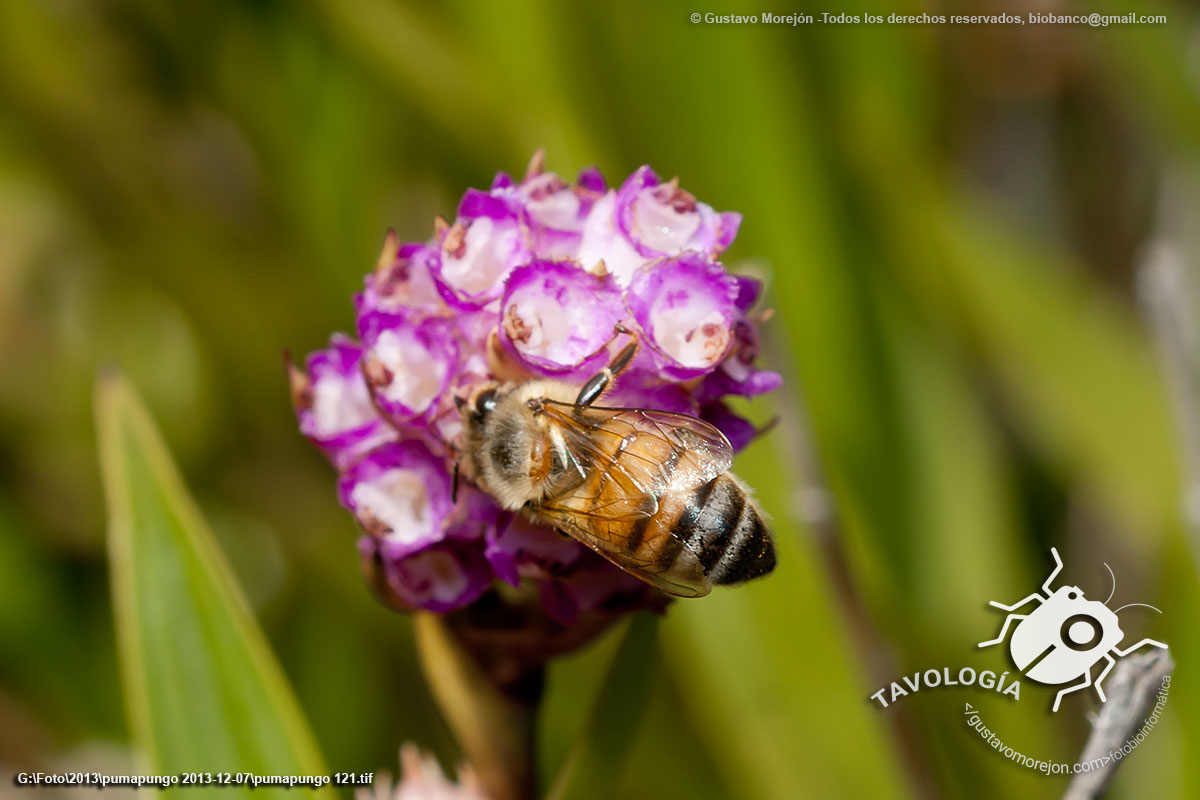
(486, 401)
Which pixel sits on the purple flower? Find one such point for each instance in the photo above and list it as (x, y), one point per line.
(592, 586)
(686, 307)
(739, 431)
(333, 405)
(422, 550)
(641, 387)
(441, 577)
(400, 495)
(647, 219)
(555, 211)
(531, 280)
(661, 219)
(403, 279)
(523, 549)
(557, 316)
(479, 250)
(409, 361)
(737, 373)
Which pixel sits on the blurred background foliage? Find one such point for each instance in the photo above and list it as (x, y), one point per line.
(980, 241)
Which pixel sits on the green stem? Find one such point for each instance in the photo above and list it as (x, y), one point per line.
(493, 724)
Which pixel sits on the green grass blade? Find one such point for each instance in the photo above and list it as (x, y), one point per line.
(594, 763)
(767, 674)
(203, 690)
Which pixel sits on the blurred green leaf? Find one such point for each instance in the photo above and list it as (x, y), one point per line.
(203, 690)
(769, 675)
(594, 763)
(1081, 375)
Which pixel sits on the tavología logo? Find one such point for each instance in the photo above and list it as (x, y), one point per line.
(1066, 635)
(1059, 642)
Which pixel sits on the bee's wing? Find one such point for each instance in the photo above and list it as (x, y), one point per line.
(653, 448)
(625, 458)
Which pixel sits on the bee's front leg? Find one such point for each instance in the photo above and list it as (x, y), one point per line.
(599, 382)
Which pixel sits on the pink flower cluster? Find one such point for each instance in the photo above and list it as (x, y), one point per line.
(528, 281)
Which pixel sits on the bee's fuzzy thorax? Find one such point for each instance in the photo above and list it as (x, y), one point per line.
(503, 444)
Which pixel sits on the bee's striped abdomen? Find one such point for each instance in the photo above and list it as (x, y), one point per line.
(716, 530)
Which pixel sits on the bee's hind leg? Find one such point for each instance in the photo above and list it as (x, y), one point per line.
(599, 382)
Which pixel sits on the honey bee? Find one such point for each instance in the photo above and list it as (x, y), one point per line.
(649, 490)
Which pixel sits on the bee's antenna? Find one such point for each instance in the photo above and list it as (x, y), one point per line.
(454, 484)
(1114, 582)
(1147, 605)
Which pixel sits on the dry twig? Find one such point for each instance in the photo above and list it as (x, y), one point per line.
(1133, 691)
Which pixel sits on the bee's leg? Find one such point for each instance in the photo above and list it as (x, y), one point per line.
(599, 382)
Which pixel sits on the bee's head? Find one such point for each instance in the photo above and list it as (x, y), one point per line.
(477, 405)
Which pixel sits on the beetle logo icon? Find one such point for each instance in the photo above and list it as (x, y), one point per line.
(1065, 636)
